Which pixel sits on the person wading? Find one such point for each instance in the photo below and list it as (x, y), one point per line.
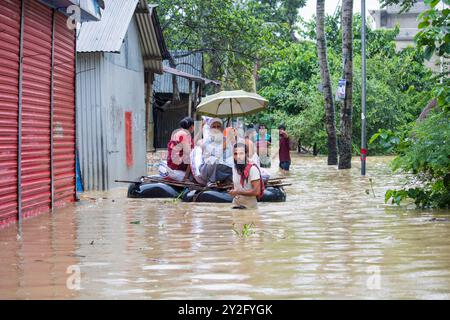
(284, 152)
(247, 182)
(263, 142)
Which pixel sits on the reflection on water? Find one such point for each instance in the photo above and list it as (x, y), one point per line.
(333, 238)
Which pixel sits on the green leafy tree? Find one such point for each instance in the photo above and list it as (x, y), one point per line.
(434, 37)
(424, 153)
(404, 4)
(232, 35)
(281, 12)
(398, 87)
(423, 149)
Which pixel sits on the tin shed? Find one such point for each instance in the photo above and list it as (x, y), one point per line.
(116, 62)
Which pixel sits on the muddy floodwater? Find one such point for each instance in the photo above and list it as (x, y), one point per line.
(333, 238)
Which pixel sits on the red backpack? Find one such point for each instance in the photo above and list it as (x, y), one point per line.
(261, 182)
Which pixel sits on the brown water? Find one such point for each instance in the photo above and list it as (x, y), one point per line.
(329, 240)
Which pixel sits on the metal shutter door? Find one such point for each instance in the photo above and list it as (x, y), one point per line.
(9, 80)
(64, 113)
(36, 173)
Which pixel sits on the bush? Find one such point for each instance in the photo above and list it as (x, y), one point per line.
(425, 153)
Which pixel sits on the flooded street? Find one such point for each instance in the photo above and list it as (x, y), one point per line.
(333, 238)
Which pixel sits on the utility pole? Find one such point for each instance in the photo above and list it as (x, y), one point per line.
(363, 91)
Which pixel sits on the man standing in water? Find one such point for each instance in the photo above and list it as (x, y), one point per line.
(247, 181)
(284, 152)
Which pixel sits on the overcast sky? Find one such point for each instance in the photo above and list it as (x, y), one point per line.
(330, 6)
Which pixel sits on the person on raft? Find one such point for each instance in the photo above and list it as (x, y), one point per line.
(263, 142)
(215, 168)
(250, 139)
(180, 146)
(247, 180)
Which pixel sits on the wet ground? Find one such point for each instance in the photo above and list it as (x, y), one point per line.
(333, 238)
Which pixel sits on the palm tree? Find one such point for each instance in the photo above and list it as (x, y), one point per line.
(327, 90)
(345, 139)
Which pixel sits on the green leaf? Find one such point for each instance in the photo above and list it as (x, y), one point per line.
(429, 51)
(423, 24)
(374, 137)
(387, 196)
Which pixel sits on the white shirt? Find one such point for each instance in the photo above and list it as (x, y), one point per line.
(249, 202)
(213, 148)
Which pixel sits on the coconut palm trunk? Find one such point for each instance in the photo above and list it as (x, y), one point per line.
(326, 83)
(345, 138)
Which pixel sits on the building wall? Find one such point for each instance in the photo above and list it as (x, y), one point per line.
(391, 16)
(37, 108)
(110, 85)
(125, 92)
(91, 121)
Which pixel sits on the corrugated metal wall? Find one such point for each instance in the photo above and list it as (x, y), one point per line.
(91, 122)
(192, 64)
(166, 122)
(125, 92)
(9, 90)
(108, 86)
(26, 122)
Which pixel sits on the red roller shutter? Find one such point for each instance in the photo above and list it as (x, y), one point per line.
(64, 113)
(9, 79)
(36, 186)
(36, 134)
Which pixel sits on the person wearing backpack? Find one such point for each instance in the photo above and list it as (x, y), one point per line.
(248, 186)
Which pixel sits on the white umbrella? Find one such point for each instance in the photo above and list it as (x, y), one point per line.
(232, 103)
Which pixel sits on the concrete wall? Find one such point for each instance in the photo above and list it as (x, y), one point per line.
(390, 17)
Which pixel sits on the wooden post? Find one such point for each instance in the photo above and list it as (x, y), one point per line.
(149, 112)
(190, 99)
(199, 92)
(196, 97)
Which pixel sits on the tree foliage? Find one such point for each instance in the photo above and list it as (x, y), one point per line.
(405, 5)
(398, 86)
(424, 148)
(233, 35)
(423, 151)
